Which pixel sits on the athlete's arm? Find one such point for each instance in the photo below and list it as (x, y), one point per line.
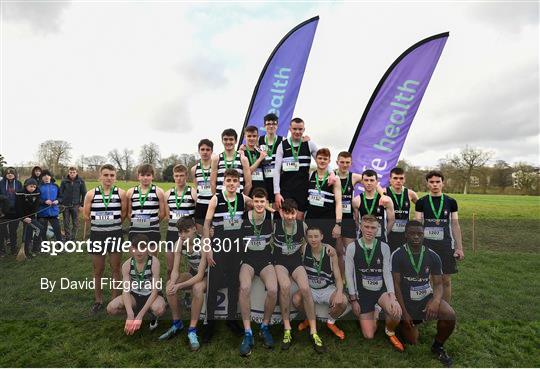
(206, 230)
(456, 234)
(413, 196)
(356, 178)
(126, 298)
(129, 193)
(192, 171)
(123, 204)
(196, 278)
(396, 276)
(277, 174)
(312, 149)
(167, 210)
(384, 199)
(350, 273)
(432, 306)
(87, 205)
(213, 174)
(336, 232)
(176, 263)
(387, 269)
(260, 159)
(419, 211)
(390, 217)
(247, 174)
(162, 204)
(338, 297)
(193, 193)
(248, 202)
(154, 294)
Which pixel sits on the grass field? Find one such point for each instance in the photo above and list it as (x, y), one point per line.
(495, 296)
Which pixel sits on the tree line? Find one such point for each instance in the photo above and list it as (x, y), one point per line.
(472, 170)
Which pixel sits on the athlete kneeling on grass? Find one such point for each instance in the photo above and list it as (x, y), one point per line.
(141, 273)
(369, 281)
(189, 245)
(288, 242)
(322, 268)
(413, 265)
(257, 229)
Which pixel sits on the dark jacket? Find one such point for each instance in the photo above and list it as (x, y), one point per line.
(72, 192)
(27, 203)
(8, 189)
(48, 191)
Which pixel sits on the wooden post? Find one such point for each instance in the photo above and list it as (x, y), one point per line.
(474, 232)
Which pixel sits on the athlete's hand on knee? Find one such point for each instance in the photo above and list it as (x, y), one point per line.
(127, 326)
(432, 309)
(355, 308)
(336, 232)
(172, 289)
(395, 310)
(279, 201)
(210, 258)
(458, 254)
(338, 299)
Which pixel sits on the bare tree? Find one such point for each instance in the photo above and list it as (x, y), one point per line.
(94, 162)
(54, 154)
(150, 154)
(467, 161)
(2, 162)
(170, 160)
(123, 161)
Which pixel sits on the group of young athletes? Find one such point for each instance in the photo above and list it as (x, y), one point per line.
(258, 211)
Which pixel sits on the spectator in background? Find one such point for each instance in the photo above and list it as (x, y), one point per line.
(48, 204)
(36, 174)
(27, 207)
(9, 186)
(72, 192)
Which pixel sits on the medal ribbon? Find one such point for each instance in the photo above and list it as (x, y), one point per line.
(106, 201)
(394, 195)
(415, 266)
(178, 204)
(439, 212)
(370, 209)
(367, 254)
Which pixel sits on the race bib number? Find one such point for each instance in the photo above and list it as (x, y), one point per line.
(232, 224)
(204, 189)
(290, 165)
(346, 206)
(434, 233)
(177, 214)
(141, 220)
(418, 293)
(372, 283)
(399, 225)
(315, 199)
(269, 171)
(316, 281)
(256, 244)
(104, 217)
(257, 175)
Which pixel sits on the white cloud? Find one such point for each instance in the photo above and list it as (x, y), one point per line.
(130, 73)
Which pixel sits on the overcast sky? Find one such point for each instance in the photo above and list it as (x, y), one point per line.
(105, 75)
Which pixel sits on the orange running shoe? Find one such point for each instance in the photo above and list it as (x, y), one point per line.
(396, 343)
(338, 332)
(303, 325)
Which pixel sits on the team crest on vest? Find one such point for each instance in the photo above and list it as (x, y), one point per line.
(378, 261)
(427, 270)
(445, 212)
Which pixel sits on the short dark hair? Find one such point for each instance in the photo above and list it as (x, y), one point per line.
(369, 173)
(206, 142)
(180, 168)
(229, 132)
(231, 173)
(185, 223)
(289, 205)
(323, 152)
(413, 223)
(139, 238)
(344, 154)
(251, 129)
(270, 117)
(434, 173)
(259, 192)
(296, 120)
(108, 167)
(314, 227)
(397, 170)
(146, 169)
(72, 168)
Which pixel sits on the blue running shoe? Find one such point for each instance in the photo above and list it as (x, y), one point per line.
(268, 341)
(246, 345)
